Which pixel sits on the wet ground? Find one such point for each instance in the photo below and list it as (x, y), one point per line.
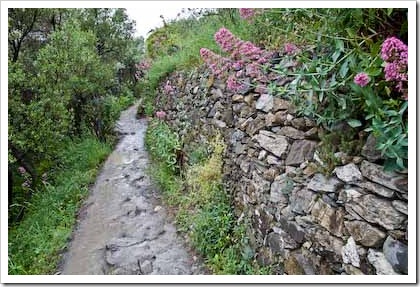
(123, 228)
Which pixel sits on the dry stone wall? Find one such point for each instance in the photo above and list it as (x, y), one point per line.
(303, 222)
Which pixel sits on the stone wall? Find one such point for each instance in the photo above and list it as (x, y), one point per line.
(353, 222)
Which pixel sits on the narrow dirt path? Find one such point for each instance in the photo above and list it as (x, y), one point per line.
(123, 228)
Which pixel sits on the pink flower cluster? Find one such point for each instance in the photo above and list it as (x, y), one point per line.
(218, 64)
(247, 13)
(239, 49)
(168, 88)
(395, 53)
(160, 115)
(245, 58)
(361, 79)
(234, 84)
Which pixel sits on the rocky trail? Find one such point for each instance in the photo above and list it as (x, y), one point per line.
(122, 227)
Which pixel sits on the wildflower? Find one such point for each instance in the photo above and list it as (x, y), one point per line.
(392, 49)
(226, 39)
(218, 64)
(234, 85)
(160, 115)
(290, 48)
(361, 79)
(395, 53)
(246, 13)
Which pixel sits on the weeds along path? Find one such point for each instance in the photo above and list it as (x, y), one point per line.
(122, 228)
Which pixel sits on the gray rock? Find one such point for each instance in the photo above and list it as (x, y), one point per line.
(278, 240)
(397, 254)
(292, 133)
(365, 234)
(369, 150)
(247, 111)
(293, 229)
(376, 210)
(300, 151)
(274, 160)
(265, 103)
(348, 173)
(255, 125)
(391, 180)
(236, 136)
(271, 142)
(281, 185)
(216, 108)
(262, 155)
(244, 165)
(350, 254)
(320, 183)
(378, 260)
(324, 243)
(376, 188)
(328, 217)
(237, 108)
(195, 91)
(220, 124)
(261, 185)
(239, 148)
(401, 206)
(301, 201)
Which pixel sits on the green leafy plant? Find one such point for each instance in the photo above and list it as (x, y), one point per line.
(163, 143)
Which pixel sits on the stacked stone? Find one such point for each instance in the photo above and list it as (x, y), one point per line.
(354, 222)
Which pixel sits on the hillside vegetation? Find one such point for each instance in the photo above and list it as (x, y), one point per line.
(70, 74)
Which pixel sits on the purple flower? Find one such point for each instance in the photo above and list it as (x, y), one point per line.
(160, 115)
(392, 48)
(361, 79)
(246, 13)
(234, 85)
(225, 39)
